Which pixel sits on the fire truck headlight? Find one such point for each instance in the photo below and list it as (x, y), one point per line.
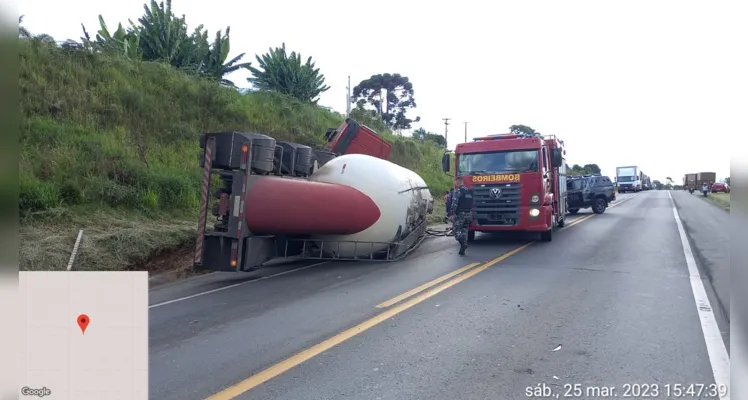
(534, 212)
(535, 198)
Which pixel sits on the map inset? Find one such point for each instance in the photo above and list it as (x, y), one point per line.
(84, 335)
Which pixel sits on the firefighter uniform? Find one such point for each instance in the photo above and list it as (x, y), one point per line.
(462, 211)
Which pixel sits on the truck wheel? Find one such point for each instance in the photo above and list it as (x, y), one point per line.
(561, 222)
(573, 211)
(546, 236)
(471, 236)
(599, 206)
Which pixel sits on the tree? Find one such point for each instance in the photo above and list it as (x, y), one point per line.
(421, 134)
(588, 169)
(727, 180)
(160, 36)
(163, 36)
(592, 168)
(657, 184)
(669, 180)
(391, 96)
(214, 65)
(284, 73)
(523, 130)
(124, 42)
(22, 31)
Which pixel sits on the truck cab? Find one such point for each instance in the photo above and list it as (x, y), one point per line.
(518, 182)
(628, 179)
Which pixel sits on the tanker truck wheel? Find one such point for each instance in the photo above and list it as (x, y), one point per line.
(573, 211)
(471, 236)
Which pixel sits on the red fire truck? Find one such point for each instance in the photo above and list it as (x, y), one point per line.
(518, 182)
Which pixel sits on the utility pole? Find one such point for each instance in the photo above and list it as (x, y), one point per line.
(348, 98)
(466, 132)
(446, 129)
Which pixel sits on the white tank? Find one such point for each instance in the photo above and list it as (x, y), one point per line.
(402, 196)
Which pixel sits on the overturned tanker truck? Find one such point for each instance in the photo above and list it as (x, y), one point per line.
(276, 199)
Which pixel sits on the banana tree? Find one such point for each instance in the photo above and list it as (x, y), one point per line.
(124, 42)
(162, 34)
(282, 72)
(214, 65)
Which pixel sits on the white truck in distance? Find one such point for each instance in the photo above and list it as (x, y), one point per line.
(628, 179)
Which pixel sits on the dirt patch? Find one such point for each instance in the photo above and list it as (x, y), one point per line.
(112, 240)
(170, 265)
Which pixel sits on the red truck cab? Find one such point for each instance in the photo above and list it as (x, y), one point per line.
(352, 137)
(518, 182)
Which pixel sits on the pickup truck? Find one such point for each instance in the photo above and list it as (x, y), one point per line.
(589, 191)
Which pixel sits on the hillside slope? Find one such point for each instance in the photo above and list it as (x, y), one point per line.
(110, 146)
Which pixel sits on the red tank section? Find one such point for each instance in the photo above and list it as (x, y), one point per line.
(299, 207)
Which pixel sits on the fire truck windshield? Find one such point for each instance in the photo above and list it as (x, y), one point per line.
(498, 162)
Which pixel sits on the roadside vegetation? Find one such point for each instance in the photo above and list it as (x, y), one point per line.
(110, 126)
(721, 200)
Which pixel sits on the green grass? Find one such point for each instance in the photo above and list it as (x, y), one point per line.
(721, 200)
(110, 146)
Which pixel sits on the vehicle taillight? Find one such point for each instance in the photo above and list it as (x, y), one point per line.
(234, 253)
(245, 156)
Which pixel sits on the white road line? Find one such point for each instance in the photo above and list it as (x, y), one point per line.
(233, 286)
(715, 347)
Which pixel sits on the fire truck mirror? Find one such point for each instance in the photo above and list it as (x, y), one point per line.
(445, 162)
(556, 158)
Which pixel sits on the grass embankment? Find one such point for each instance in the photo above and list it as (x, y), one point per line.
(110, 146)
(721, 200)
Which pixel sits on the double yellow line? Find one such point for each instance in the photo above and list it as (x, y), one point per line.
(421, 293)
(393, 306)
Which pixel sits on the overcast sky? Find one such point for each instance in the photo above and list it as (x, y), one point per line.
(657, 84)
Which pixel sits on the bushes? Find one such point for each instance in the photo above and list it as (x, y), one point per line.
(104, 136)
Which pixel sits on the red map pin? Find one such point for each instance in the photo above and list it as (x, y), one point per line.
(83, 321)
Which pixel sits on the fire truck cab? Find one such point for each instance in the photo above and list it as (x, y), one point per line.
(518, 182)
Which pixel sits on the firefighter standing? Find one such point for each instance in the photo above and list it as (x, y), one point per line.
(461, 213)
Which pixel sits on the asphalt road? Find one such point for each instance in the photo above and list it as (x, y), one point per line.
(708, 230)
(608, 302)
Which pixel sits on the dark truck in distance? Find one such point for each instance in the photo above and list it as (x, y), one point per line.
(589, 191)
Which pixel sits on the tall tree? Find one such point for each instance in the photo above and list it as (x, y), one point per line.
(391, 95)
(727, 180)
(523, 130)
(284, 73)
